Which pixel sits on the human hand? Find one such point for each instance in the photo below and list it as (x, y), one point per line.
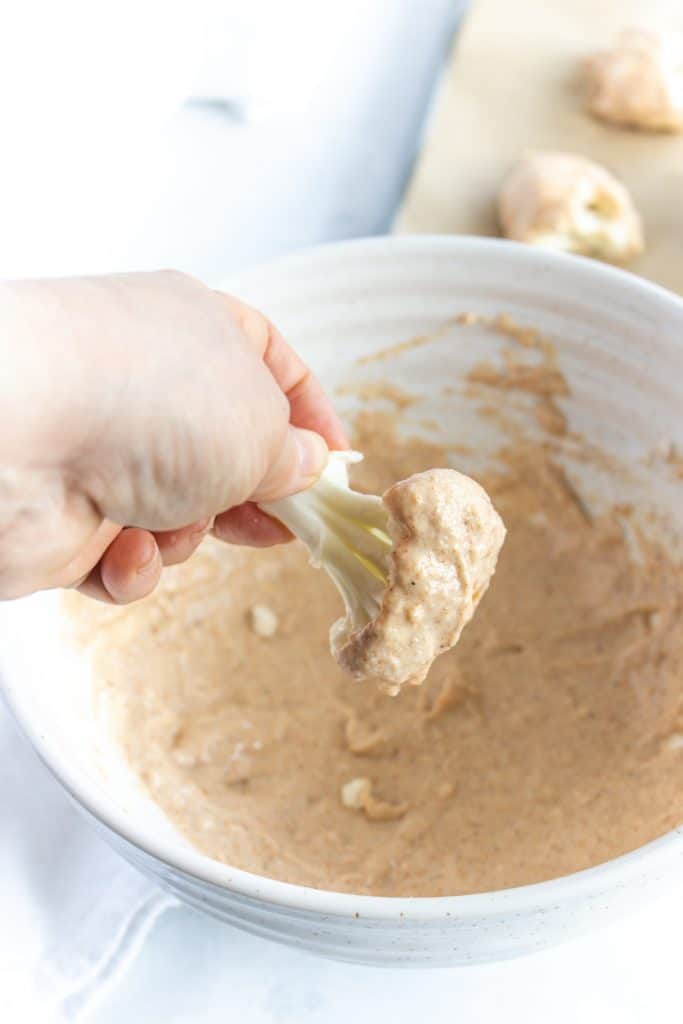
(139, 412)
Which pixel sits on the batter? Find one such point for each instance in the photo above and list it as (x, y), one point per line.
(446, 538)
(549, 740)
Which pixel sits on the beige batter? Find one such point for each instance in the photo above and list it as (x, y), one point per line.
(549, 740)
(446, 536)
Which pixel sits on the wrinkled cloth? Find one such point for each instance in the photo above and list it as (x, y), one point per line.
(75, 911)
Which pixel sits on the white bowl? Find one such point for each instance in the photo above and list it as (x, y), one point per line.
(620, 345)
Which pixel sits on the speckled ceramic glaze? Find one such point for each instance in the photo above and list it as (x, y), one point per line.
(620, 344)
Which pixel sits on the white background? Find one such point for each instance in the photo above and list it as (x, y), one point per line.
(315, 122)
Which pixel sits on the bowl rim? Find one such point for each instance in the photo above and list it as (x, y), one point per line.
(288, 896)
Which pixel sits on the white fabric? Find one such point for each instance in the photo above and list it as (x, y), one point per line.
(74, 913)
(312, 121)
(628, 973)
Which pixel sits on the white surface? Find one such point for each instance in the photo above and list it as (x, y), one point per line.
(53, 871)
(628, 974)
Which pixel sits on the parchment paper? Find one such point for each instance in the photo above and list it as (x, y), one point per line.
(513, 85)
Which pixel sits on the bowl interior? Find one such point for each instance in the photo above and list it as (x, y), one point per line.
(617, 342)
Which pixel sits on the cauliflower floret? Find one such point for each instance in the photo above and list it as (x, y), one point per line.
(357, 794)
(638, 83)
(565, 202)
(446, 538)
(411, 566)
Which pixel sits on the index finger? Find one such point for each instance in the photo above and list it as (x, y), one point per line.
(309, 405)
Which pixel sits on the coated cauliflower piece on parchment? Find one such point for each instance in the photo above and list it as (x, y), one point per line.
(411, 566)
(639, 82)
(568, 203)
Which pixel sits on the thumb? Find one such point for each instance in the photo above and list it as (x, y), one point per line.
(296, 465)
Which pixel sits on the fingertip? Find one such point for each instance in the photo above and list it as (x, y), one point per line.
(131, 566)
(312, 457)
(299, 460)
(334, 432)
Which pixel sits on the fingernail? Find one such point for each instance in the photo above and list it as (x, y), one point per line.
(148, 555)
(313, 454)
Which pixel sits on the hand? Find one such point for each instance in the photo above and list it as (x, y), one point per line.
(139, 412)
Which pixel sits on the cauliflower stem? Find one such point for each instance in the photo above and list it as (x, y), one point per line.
(346, 534)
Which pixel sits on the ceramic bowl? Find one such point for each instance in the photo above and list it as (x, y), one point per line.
(620, 343)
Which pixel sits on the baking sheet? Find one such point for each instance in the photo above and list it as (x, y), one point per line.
(513, 85)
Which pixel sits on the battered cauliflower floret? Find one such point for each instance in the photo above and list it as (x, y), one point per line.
(565, 202)
(411, 566)
(638, 83)
(446, 538)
